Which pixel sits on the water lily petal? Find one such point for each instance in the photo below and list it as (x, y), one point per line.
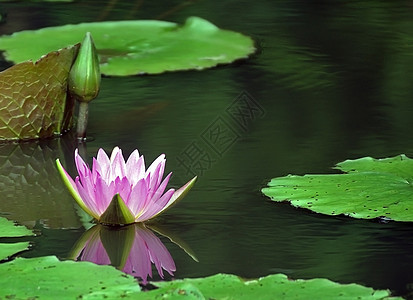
(155, 163)
(103, 194)
(135, 167)
(156, 207)
(153, 180)
(82, 167)
(160, 170)
(85, 183)
(158, 193)
(71, 185)
(178, 195)
(118, 165)
(138, 198)
(123, 188)
(103, 164)
(88, 204)
(94, 170)
(146, 199)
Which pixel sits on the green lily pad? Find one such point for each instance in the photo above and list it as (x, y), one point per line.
(48, 278)
(278, 286)
(371, 188)
(7, 230)
(137, 47)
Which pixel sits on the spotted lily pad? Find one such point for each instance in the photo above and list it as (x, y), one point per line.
(137, 47)
(278, 286)
(48, 278)
(33, 97)
(10, 230)
(370, 188)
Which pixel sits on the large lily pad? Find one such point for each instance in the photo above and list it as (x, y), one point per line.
(48, 278)
(33, 96)
(371, 188)
(278, 286)
(136, 47)
(7, 230)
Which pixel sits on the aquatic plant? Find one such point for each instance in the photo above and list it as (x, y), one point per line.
(33, 97)
(370, 188)
(138, 46)
(116, 192)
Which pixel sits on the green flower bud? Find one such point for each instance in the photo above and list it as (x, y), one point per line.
(84, 77)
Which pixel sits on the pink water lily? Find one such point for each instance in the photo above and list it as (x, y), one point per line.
(117, 192)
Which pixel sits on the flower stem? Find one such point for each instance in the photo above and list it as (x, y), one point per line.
(82, 120)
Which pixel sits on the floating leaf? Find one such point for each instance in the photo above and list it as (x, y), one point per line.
(9, 229)
(372, 188)
(136, 47)
(278, 286)
(49, 278)
(33, 96)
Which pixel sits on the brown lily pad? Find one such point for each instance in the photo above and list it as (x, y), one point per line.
(33, 97)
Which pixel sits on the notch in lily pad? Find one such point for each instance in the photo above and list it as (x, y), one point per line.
(84, 81)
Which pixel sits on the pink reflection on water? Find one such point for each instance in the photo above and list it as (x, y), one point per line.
(132, 249)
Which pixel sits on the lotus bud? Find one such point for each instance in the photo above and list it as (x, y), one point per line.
(84, 77)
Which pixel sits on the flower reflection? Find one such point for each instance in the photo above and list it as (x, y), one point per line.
(132, 249)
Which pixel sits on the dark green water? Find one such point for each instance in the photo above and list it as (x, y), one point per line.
(332, 82)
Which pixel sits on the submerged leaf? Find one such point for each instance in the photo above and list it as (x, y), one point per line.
(372, 188)
(33, 100)
(137, 47)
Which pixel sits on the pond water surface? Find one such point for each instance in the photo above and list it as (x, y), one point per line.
(329, 82)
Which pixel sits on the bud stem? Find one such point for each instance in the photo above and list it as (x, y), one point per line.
(82, 120)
